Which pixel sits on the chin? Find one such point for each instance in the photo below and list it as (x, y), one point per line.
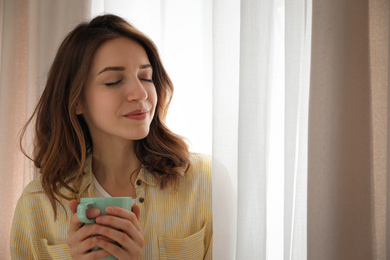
(140, 136)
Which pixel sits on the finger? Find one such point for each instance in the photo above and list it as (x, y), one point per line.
(123, 225)
(93, 213)
(83, 247)
(73, 206)
(128, 242)
(137, 211)
(89, 245)
(118, 251)
(113, 234)
(75, 224)
(98, 254)
(106, 239)
(125, 214)
(77, 235)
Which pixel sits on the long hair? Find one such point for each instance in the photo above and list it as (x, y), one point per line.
(62, 139)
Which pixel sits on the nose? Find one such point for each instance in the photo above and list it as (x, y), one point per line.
(136, 91)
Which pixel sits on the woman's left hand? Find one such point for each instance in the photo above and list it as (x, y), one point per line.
(121, 226)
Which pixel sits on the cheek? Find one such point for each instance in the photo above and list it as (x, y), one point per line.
(97, 101)
(153, 97)
(98, 105)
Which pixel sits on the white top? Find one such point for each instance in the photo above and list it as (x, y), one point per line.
(99, 191)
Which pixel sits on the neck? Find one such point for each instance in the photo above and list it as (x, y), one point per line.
(113, 166)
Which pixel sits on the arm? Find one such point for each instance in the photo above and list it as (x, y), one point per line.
(22, 243)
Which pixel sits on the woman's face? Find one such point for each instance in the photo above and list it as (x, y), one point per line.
(119, 97)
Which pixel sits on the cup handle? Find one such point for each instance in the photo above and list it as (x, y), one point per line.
(82, 212)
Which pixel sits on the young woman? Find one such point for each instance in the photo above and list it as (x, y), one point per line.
(100, 132)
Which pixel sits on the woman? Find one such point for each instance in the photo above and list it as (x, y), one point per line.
(100, 132)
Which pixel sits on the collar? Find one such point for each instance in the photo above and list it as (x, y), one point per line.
(145, 176)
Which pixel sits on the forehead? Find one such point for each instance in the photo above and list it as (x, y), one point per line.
(121, 51)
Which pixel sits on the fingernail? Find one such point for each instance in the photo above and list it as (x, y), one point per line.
(95, 211)
(109, 209)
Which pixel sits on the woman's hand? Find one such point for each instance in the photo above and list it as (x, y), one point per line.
(121, 226)
(79, 236)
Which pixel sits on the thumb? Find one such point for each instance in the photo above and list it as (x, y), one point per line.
(137, 211)
(73, 206)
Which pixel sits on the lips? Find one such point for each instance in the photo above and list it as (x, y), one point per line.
(138, 114)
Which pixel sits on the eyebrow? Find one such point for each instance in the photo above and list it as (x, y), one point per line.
(111, 68)
(116, 68)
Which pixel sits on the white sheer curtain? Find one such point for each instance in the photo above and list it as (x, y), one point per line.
(261, 74)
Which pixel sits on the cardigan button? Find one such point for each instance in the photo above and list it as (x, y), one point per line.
(139, 182)
(141, 200)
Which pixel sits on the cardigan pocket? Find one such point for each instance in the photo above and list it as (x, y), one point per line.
(58, 251)
(192, 247)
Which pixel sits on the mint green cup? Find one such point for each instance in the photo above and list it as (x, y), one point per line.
(101, 203)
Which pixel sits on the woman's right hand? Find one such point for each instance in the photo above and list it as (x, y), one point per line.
(79, 236)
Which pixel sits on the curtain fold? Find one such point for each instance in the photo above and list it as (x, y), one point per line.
(253, 128)
(226, 43)
(348, 130)
(260, 100)
(379, 83)
(297, 84)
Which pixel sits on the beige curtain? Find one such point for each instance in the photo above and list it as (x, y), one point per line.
(30, 32)
(348, 129)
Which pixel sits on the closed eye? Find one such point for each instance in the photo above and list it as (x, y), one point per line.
(147, 80)
(110, 84)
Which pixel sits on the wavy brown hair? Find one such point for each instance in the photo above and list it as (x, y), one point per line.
(62, 138)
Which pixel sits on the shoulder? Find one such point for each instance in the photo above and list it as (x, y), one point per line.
(36, 205)
(197, 183)
(33, 187)
(33, 204)
(33, 195)
(200, 167)
(200, 162)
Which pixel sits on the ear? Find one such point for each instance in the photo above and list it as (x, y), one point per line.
(79, 108)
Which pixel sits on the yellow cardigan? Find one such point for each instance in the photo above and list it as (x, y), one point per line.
(177, 225)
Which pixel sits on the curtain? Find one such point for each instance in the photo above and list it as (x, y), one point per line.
(29, 38)
(260, 118)
(292, 179)
(348, 184)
